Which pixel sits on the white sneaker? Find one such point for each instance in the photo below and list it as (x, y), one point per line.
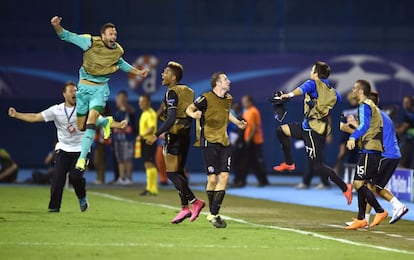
(98, 182)
(127, 181)
(322, 186)
(301, 186)
(351, 222)
(120, 181)
(398, 213)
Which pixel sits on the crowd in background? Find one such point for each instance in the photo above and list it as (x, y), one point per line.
(246, 145)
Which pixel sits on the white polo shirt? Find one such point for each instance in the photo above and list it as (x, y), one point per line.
(68, 134)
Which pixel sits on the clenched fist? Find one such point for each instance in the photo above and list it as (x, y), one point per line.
(55, 21)
(12, 112)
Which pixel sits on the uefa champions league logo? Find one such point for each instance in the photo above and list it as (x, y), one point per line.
(346, 69)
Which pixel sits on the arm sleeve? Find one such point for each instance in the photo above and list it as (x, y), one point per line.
(201, 103)
(172, 101)
(82, 41)
(364, 121)
(338, 96)
(124, 66)
(49, 114)
(308, 86)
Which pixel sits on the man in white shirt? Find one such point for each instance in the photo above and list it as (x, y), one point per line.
(67, 148)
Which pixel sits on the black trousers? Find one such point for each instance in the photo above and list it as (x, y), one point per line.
(65, 163)
(252, 158)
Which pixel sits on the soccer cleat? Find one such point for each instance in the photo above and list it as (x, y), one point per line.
(107, 127)
(379, 217)
(356, 224)
(84, 204)
(217, 221)
(80, 164)
(53, 210)
(351, 222)
(397, 214)
(183, 214)
(198, 205)
(284, 167)
(348, 194)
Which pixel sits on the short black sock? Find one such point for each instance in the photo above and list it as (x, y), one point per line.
(217, 201)
(285, 142)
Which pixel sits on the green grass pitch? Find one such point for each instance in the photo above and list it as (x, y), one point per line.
(122, 225)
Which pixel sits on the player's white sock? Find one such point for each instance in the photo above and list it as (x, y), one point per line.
(396, 204)
(367, 217)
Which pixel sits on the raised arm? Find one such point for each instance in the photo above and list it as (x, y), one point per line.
(82, 41)
(27, 117)
(55, 21)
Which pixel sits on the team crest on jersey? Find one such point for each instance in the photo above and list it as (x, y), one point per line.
(210, 169)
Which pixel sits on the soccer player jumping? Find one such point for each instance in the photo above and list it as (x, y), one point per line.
(102, 56)
(320, 98)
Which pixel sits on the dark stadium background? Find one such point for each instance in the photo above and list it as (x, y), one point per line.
(245, 29)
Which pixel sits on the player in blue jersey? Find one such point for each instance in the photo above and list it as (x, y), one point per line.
(320, 99)
(388, 163)
(102, 56)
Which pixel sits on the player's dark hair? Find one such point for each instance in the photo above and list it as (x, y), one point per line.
(374, 97)
(68, 83)
(106, 26)
(364, 86)
(215, 77)
(123, 92)
(177, 70)
(147, 97)
(322, 69)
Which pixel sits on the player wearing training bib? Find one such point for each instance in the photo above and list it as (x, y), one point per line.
(320, 99)
(102, 56)
(212, 111)
(176, 127)
(390, 158)
(368, 134)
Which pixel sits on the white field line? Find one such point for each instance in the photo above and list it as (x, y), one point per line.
(242, 221)
(132, 244)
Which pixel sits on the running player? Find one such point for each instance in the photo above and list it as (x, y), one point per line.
(67, 148)
(102, 57)
(388, 163)
(177, 138)
(369, 136)
(320, 98)
(212, 111)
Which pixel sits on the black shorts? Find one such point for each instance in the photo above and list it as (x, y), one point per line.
(314, 142)
(385, 171)
(177, 145)
(148, 151)
(367, 166)
(217, 158)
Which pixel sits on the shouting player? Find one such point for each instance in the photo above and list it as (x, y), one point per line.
(212, 111)
(176, 127)
(102, 56)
